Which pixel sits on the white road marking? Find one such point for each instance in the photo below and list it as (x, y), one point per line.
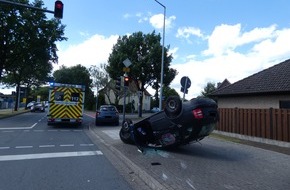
(46, 146)
(4, 147)
(33, 125)
(114, 133)
(66, 145)
(38, 130)
(15, 128)
(24, 147)
(49, 155)
(86, 144)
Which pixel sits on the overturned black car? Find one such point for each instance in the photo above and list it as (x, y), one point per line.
(178, 124)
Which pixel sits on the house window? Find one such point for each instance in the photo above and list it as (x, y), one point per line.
(284, 104)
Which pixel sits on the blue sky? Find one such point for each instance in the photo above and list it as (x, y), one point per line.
(210, 40)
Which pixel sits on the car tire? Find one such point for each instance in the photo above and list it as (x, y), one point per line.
(173, 107)
(125, 132)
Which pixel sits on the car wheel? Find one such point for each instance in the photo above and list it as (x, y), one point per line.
(125, 131)
(173, 107)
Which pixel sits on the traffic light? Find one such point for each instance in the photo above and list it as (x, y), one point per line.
(118, 83)
(126, 81)
(58, 9)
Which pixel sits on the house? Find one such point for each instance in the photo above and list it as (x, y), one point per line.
(132, 96)
(269, 88)
(7, 101)
(223, 84)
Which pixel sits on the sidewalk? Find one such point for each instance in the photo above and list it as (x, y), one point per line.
(4, 113)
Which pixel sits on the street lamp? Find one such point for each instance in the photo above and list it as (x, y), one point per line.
(162, 58)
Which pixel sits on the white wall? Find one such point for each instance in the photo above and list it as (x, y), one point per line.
(259, 102)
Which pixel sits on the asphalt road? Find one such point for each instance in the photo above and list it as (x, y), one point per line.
(212, 164)
(36, 156)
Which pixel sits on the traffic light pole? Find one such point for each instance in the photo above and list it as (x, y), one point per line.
(26, 6)
(124, 102)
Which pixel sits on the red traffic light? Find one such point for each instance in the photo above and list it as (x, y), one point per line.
(58, 9)
(126, 81)
(58, 5)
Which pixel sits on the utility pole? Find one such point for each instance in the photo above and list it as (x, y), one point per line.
(162, 58)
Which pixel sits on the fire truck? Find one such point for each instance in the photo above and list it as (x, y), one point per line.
(65, 103)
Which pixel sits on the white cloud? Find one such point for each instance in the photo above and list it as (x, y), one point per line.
(93, 51)
(84, 34)
(186, 32)
(157, 21)
(174, 52)
(127, 15)
(265, 47)
(228, 37)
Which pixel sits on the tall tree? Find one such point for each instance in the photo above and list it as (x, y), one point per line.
(28, 47)
(208, 89)
(77, 75)
(100, 79)
(144, 51)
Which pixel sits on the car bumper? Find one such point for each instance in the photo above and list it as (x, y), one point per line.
(107, 120)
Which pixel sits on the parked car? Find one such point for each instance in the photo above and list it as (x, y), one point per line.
(46, 104)
(155, 110)
(38, 106)
(107, 114)
(178, 124)
(28, 106)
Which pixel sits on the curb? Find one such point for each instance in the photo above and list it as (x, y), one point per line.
(143, 175)
(255, 139)
(12, 113)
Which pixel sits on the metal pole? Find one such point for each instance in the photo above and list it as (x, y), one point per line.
(124, 103)
(97, 98)
(162, 58)
(26, 6)
(185, 88)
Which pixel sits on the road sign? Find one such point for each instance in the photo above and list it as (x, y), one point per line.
(127, 62)
(185, 82)
(126, 69)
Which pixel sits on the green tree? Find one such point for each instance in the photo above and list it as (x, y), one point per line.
(40, 91)
(208, 89)
(101, 80)
(77, 75)
(144, 51)
(167, 91)
(28, 47)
